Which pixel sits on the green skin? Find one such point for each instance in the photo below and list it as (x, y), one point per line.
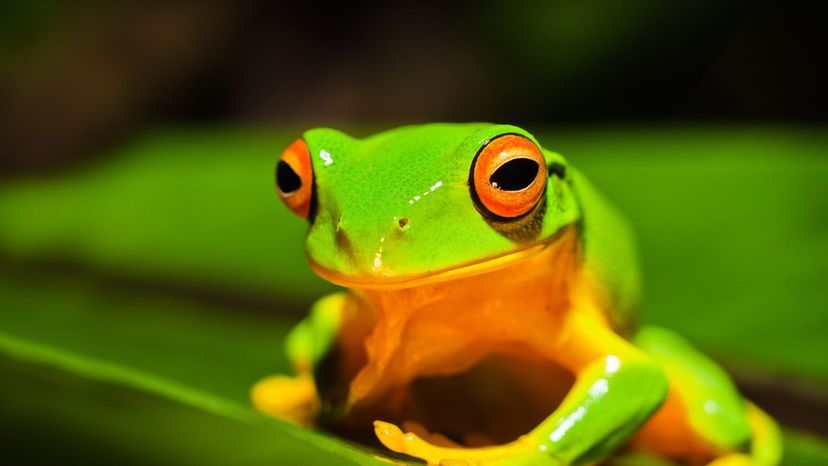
(420, 173)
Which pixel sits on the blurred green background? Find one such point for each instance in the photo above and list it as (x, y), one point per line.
(148, 271)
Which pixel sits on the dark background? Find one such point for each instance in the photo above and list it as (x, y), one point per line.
(76, 76)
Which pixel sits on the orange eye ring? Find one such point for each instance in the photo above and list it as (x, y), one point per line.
(508, 177)
(294, 178)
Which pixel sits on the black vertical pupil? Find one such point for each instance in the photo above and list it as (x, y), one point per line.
(515, 175)
(287, 180)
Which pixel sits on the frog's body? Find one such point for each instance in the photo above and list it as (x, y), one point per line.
(499, 315)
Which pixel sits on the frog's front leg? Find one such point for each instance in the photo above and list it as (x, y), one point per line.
(295, 398)
(617, 388)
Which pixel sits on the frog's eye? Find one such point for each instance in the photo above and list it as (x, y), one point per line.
(294, 178)
(508, 177)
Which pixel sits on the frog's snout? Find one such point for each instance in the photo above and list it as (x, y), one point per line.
(365, 250)
(343, 234)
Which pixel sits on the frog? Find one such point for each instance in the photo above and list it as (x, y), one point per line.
(489, 312)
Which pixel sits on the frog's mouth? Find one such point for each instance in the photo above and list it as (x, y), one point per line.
(492, 403)
(468, 269)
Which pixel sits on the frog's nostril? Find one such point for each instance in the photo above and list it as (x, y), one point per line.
(403, 223)
(343, 242)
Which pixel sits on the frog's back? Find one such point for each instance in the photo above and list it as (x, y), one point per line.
(609, 253)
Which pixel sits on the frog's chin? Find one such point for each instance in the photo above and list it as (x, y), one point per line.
(468, 269)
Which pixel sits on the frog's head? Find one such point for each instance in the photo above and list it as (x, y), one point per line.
(423, 201)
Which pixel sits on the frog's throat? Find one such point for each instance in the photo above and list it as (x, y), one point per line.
(468, 269)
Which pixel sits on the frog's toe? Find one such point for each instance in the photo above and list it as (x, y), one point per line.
(290, 398)
(395, 439)
(390, 435)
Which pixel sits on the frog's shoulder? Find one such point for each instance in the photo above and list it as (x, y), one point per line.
(610, 256)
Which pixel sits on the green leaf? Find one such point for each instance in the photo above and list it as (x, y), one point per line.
(50, 414)
(175, 349)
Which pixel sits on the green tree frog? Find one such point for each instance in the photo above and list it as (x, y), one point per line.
(490, 311)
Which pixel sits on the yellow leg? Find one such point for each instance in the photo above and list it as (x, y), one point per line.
(766, 447)
(517, 452)
(290, 398)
